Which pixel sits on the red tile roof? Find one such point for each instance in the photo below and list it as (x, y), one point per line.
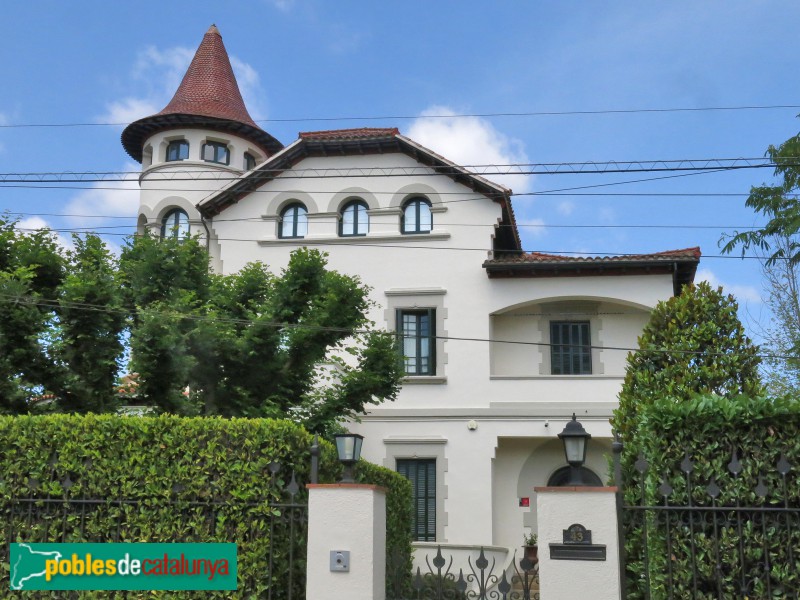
(209, 87)
(207, 97)
(350, 134)
(681, 264)
(541, 258)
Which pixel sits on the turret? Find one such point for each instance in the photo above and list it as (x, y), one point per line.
(205, 128)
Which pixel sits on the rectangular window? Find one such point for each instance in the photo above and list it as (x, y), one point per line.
(422, 475)
(570, 348)
(417, 340)
(216, 152)
(177, 150)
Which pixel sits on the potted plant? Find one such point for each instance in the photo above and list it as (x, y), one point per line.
(531, 546)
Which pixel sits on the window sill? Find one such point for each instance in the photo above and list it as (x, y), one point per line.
(367, 239)
(425, 380)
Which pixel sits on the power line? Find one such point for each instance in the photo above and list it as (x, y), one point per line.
(456, 116)
(498, 169)
(477, 197)
(31, 300)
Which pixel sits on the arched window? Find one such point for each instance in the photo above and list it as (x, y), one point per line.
(175, 224)
(177, 150)
(417, 216)
(562, 477)
(249, 161)
(216, 152)
(354, 219)
(294, 221)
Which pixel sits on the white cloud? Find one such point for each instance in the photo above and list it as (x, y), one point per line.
(284, 5)
(743, 293)
(472, 141)
(128, 110)
(532, 227)
(31, 224)
(250, 86)
(108, 198)
(565, 208)
(156, 75)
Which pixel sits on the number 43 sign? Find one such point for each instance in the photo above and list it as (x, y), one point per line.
(577, 534)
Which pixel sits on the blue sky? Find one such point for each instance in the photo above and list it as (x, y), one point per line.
(107, 62)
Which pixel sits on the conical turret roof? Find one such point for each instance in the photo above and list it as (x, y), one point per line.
(208, 97)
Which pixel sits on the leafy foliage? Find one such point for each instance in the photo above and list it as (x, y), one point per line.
(776, 203)
(778, 243)
(781, 337)
(253, 343)
(182, 479)
(694, 343)
(708, 429)
(31, 272)
(693, 386)
(90, 326)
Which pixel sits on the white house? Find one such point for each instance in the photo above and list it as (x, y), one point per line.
(476, 423)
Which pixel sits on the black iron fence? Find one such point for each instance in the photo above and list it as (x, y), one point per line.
(479, 579)
(270, 531)
(694, 534)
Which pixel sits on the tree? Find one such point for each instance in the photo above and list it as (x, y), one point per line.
(781, 337)
(32, 269)
(693, 344)
(91, 321)
(779, 244)
(297, 344)
(778, 204)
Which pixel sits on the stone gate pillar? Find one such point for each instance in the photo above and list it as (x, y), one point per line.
(346, 557)
(578, 543)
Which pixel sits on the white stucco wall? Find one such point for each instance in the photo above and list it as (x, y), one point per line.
(505, 388)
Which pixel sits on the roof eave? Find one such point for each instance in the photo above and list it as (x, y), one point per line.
(134, 135)
(683, 270)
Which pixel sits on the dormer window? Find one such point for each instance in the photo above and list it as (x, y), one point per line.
(216, 152)
(417, 216)
(175, 224)
(177, 150)
(249, 161)
(354, 220)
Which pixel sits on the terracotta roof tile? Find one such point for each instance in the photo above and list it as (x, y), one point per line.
(209, 86)
(542, 258)
(207, 97)
(350, 134)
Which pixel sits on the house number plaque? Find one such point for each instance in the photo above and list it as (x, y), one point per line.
(577, 545)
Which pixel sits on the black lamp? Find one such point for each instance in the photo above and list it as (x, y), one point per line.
(576, 441)
(348, 447)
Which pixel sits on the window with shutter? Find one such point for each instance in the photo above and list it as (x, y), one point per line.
(570, 348)
(422, 475)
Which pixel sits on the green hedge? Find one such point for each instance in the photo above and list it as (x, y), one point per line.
(709, 428)
(178, 462)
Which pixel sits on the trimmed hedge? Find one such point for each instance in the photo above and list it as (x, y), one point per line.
(180, 463)
(709, 428)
